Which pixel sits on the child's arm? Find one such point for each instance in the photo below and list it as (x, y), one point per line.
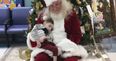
(40, 40)
(38, 44)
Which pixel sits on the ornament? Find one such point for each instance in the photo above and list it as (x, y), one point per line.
(12, 5)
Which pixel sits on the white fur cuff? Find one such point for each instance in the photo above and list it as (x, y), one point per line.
(39, 50)
(81, 51)
(49, 53)
(29, 43)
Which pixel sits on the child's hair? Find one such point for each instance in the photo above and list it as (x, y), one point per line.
(49, 20)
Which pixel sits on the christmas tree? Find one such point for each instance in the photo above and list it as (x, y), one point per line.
(37, 5)
(80, 7)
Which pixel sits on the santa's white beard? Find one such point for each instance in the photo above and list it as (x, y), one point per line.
(57, 16)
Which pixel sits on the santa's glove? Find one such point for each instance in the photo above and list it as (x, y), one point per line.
(52, 48)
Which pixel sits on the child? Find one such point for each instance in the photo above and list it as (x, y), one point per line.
(41, 35)
(41, 32)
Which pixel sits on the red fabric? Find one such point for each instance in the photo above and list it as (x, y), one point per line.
(43, 57)
(40, 18)
(72, 28)
(46, 45)
(33, 44)
(39, 21)
(52, 48)
(71, 59)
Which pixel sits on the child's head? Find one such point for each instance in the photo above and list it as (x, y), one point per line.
(48, 24)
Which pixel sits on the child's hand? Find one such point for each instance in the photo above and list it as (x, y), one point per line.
(42, 38)
(38, 44)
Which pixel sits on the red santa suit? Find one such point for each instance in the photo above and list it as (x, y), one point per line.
(71, 26)
(66, 31)
(46, 46)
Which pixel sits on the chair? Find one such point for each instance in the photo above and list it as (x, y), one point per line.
(19, 21)
(21, 2)
(4, 18)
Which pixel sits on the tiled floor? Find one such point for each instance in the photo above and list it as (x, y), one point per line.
(2, 51)
(11, 54)
(108, 42)
(111, 42)
(112, 56)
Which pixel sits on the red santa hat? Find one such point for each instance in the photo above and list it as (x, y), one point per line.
(49, 2)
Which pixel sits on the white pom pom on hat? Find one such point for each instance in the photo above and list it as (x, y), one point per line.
(49, 2)
(45, 17)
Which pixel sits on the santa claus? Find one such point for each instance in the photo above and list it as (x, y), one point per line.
(66, 33)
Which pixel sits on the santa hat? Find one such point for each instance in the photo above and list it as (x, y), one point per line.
(49, 2)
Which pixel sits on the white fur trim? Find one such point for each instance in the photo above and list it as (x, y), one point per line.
(29, 43)
(79, 52)
(59, 30)
(45, 17)
(49, 53)
(35, 52)
(39, 50)
(31, 38)
(49, 2)
(82, 52)
(72, 49)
